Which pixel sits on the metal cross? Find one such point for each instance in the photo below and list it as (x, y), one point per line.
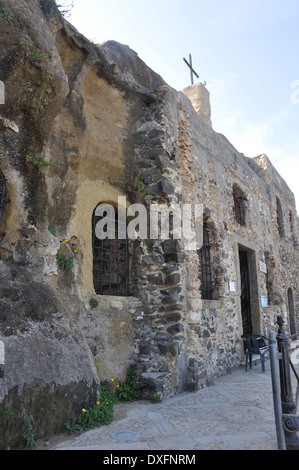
(191, 68)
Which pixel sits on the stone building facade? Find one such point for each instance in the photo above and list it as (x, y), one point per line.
(85, 126)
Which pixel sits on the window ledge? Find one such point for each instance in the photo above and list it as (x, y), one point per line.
(118, 302)
(211, 304)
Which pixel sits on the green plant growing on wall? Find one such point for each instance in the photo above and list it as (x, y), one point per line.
(93, 303)
(35, 267)
(155, 399)
(125, 390)
(40, 160)
(39, 55)
(154, 106)
(52, 231)
(101, 413)
(31, 436)
(120, 185)
(72, 426)
(36, 54)
(4, 413)
(134, 185)
(5, 13)
(139, 137)
(139, 186)
(65, 262)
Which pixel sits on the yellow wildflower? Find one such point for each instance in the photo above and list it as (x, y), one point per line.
(117, 385)
(112, 380)
(98, 402)
(84, 410)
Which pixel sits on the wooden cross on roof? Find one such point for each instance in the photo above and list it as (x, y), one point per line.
(192, 71)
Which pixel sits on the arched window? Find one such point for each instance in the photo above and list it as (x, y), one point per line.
(110, 252)
(2, 192)
(279, 215)
(240, 206)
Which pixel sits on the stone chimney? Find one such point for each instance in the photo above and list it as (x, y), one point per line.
(200, 99)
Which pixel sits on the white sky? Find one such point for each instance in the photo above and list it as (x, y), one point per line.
(246, 51)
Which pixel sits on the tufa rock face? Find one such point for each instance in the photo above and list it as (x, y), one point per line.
(57, 161)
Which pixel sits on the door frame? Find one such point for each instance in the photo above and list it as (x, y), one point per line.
(255, 305)
(245, 291)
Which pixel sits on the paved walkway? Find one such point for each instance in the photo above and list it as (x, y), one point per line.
(236, 413)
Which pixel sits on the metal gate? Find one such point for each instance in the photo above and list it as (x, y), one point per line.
(110, 260)
(206, 266)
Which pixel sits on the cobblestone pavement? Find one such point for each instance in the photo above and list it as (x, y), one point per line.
(236, 413)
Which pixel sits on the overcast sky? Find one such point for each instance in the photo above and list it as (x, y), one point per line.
(246, 51)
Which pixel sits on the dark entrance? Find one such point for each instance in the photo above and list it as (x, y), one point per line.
(245, 293)
(291, 312)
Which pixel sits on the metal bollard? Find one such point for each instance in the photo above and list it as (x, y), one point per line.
(281, 441)
(289, 406)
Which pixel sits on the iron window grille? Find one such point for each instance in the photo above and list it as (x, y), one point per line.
(240, 210)
(2, 192)
(206, 276)
(110, 261)
(240, 205)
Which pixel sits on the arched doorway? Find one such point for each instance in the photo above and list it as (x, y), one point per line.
(291, 308)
